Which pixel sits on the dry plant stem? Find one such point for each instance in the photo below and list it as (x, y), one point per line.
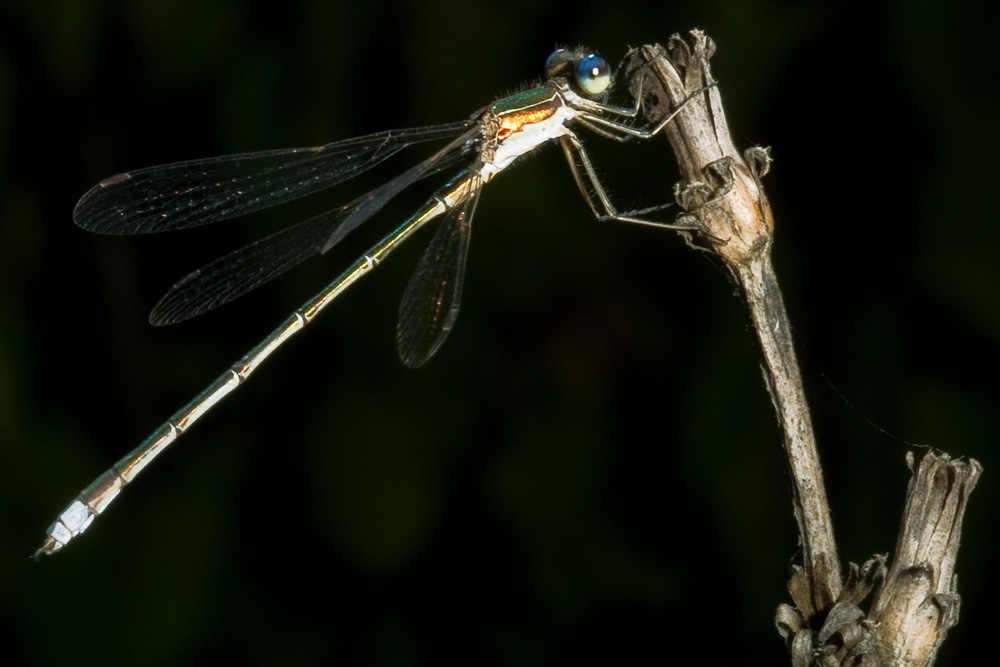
(721, 192)
(918, 602)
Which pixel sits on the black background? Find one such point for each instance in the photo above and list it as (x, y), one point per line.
(589, 468)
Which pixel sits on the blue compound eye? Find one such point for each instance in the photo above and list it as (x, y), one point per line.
(557, 62)
(593, 74)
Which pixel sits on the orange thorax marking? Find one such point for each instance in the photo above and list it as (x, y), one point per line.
(513, 122)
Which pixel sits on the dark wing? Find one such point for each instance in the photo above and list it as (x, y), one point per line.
(197, 192)
(432, 297)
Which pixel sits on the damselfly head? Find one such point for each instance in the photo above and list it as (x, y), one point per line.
(585, 70)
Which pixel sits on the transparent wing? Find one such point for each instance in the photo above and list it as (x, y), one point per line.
(261, 261)
(230, 277)
(432, 297)
(197, 192)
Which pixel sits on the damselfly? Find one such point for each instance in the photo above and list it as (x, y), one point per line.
(187, 194)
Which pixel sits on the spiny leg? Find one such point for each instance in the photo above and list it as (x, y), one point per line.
(584, 174)
(619, 131)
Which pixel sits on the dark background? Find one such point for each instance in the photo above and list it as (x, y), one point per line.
(589, 470)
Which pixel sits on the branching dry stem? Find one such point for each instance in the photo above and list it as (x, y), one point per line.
(720, 192)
